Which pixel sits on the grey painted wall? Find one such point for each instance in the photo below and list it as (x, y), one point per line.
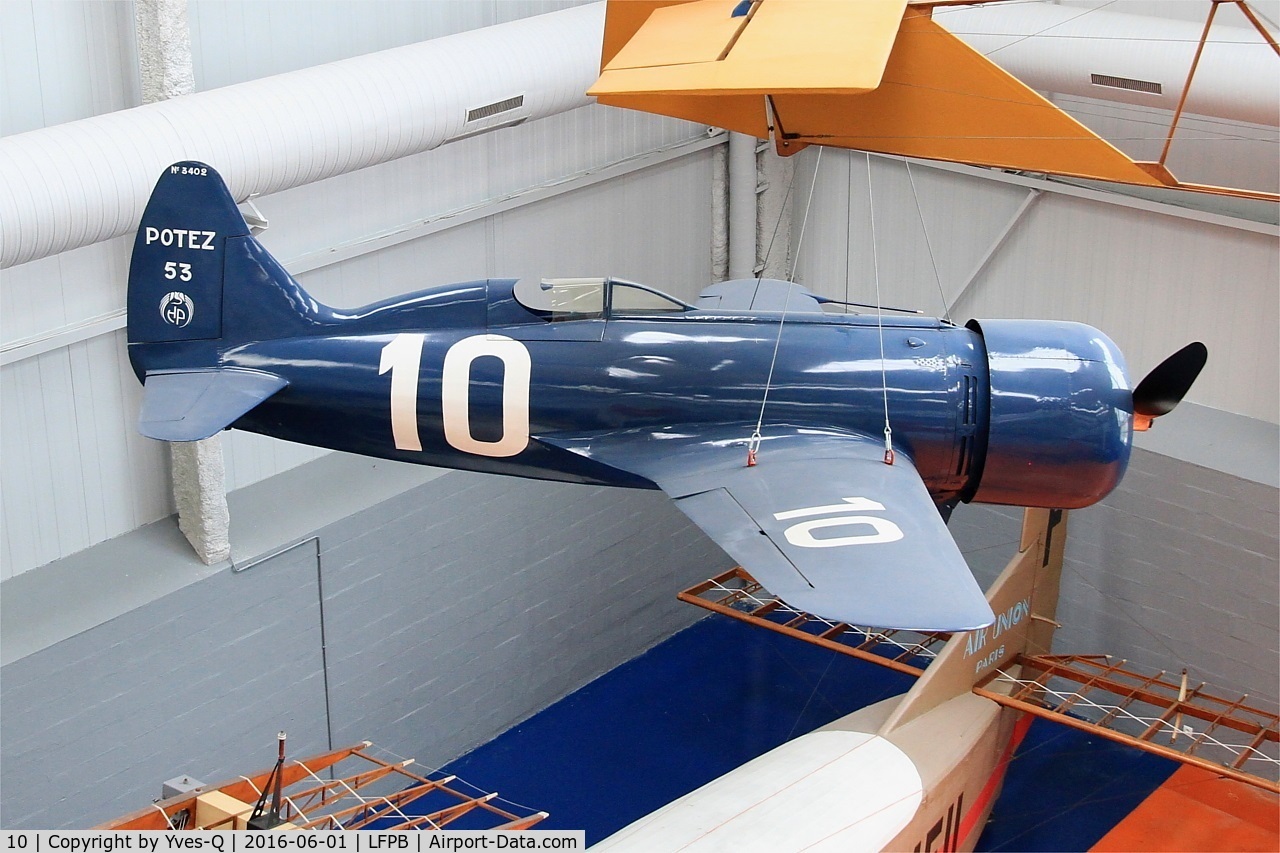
(198, 681)
(451, 612)
(475, 601)
(1180, 567)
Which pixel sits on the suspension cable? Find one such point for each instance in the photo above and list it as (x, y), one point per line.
(875, 264)
(754, 445)
(946, 311)
(848, 227)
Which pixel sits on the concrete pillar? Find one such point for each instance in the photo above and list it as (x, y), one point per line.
(164, 49)
(199, 491)
(720, 213)
(199, 477)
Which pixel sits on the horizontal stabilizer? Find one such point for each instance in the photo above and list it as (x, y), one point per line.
(765, 294)
(188, 405)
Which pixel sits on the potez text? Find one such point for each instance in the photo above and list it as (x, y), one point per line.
(182, 238)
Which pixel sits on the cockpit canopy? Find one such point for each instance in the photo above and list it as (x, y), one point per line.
(589, 298)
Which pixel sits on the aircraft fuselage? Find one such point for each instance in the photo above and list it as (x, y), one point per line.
(478, 398)
(462, 377)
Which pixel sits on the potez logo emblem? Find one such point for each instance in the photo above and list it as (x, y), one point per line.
(177, 309)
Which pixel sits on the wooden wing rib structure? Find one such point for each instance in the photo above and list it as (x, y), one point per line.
(345, 789)
(1156, 712)
(739, 596)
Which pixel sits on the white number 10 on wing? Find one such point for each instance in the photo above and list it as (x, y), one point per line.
(801, 535)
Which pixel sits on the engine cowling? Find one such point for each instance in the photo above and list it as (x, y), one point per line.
(1060, 421)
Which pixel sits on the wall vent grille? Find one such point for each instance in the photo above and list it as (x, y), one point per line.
(496, 107)
(1126, 83)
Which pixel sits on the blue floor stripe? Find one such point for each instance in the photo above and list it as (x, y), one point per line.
(693, 708)
(1067, 788)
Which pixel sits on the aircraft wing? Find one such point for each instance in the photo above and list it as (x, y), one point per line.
(871, 75)
(820, 520)
(801, 45)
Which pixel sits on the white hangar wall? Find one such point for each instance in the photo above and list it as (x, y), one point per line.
(237, 40)
(64, 61)
(78, 58)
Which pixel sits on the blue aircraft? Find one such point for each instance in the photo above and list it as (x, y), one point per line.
(823, 451)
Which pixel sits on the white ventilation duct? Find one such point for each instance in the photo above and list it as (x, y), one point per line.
(74, 184)
(1127, 58)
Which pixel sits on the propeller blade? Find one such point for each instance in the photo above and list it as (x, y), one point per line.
(1164, 387)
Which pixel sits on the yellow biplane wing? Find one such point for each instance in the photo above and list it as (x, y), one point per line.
(873, 75)
(717, 60)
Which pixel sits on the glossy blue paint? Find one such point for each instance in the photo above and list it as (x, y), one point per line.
(1030, 413)
(1060, 414)
(580, 380)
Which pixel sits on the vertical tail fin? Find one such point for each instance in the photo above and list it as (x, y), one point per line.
(199, 284)
(1025, 600)
(176, 275)
(197, 275)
